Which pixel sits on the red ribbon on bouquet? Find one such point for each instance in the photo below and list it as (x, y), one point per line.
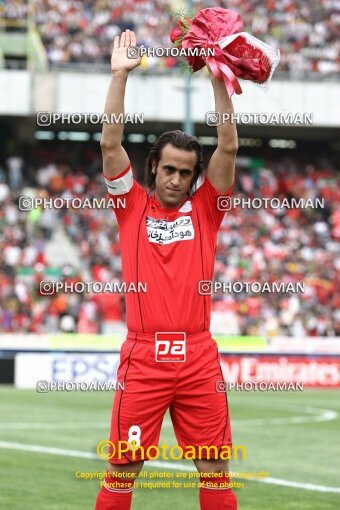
(223, 72)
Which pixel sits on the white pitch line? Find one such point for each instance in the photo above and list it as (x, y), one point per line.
(326, 415)
(46, 449)
(163, 465)
(51, 425)
(298, 485)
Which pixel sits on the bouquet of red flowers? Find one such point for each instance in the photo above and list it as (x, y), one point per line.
(230, 53)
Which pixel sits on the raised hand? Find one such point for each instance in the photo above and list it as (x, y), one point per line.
(124, 51)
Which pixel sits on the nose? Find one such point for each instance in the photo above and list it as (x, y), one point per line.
(175, 180)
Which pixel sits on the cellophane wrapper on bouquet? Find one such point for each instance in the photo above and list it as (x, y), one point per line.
(230, 52)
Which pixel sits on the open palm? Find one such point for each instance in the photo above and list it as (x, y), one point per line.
(120, 60)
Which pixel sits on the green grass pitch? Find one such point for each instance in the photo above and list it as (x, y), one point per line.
(294, 436)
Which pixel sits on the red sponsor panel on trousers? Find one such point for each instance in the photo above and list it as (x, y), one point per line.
(170, 346)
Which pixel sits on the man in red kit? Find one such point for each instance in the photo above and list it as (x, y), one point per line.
(168, 240)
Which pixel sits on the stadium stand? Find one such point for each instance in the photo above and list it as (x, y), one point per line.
(306, 33)
(75, 32)
(258, 245)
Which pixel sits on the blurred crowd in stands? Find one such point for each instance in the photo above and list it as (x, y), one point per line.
(265, 245)
(74, 31)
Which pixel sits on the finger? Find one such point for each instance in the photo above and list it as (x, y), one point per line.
(128, 38)
(116, 42)
(122, 40)
(133, 38)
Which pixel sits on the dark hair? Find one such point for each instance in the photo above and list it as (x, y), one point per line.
(179, 140)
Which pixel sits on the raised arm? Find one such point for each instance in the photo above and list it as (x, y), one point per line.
(115, 158)
(221, 168)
